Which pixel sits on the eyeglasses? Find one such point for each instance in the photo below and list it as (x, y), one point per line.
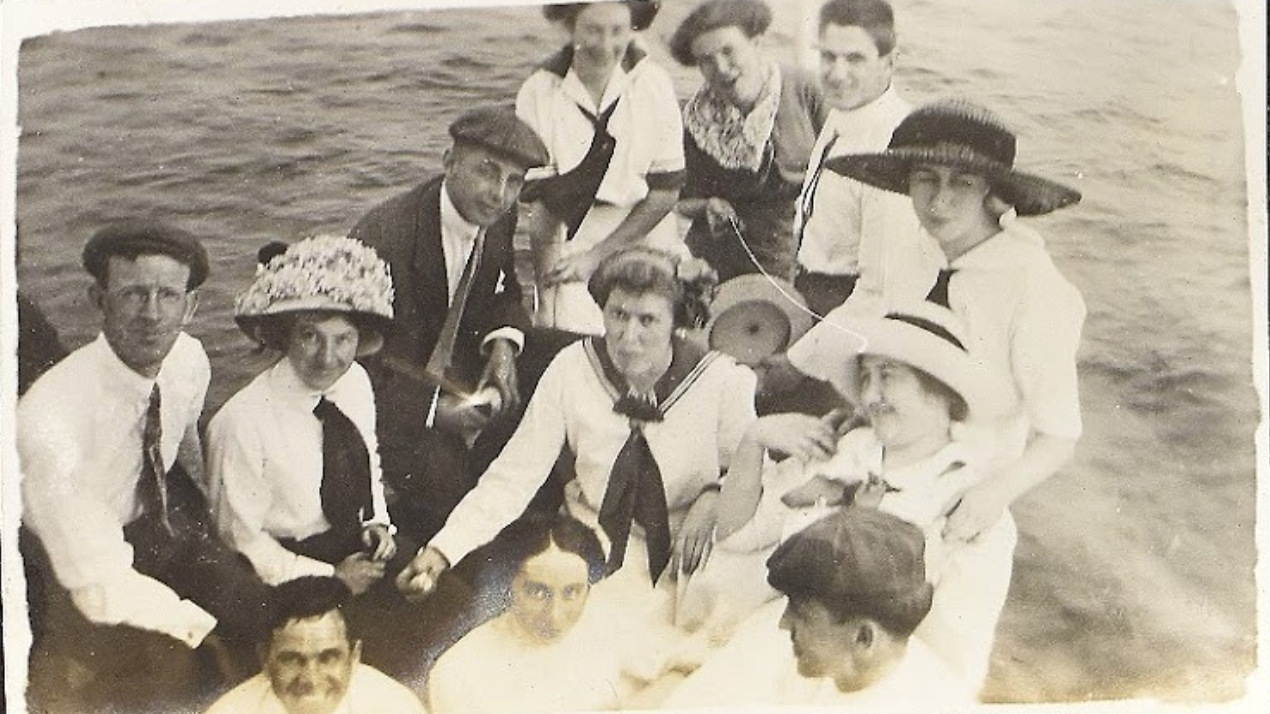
(136, 297)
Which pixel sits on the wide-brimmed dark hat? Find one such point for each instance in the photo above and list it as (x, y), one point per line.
(956, 132)
(642, 12)
(325, 273)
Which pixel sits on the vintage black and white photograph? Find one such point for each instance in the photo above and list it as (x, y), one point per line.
(510, 356)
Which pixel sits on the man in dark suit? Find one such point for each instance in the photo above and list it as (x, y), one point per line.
(448, 369)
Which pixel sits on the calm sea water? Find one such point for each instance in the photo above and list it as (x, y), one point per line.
(1134, 574)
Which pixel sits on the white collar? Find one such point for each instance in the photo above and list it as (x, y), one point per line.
(119, 376)
(287, 382)
(886, 104)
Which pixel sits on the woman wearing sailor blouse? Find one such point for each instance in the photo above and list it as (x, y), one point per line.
(610, 119)
(651, 420)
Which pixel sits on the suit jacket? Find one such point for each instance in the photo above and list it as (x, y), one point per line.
(406, 232)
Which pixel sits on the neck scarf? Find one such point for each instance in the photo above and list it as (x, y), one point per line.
(733, 139)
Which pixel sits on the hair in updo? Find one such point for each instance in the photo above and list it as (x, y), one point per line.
(751, 17)
(642, 12)
(687, 282)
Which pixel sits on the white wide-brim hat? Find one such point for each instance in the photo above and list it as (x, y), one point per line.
(925, 336)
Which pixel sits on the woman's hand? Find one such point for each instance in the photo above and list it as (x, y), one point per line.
(359, 572)
(692, 549)
(721, 216)
(379, 542)
(419, 578)
(802, 436)
(818, 490)
(577, 267)
(978, 509)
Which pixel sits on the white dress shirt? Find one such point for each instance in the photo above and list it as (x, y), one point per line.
(856, 229)
(369, 692)
(458, 237)
(79, 445)
(265, 466)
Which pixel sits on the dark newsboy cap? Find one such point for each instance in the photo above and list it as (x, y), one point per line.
(135, 238)
(855, 554)
(501, 131)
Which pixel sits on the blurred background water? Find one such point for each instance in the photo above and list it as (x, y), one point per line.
(1134, 573)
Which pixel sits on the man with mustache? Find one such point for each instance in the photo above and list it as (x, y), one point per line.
(312, 664)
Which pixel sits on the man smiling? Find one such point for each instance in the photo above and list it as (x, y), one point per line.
(853, 238)
(312, 665)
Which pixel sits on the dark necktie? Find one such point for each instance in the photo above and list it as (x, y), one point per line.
(345, 470)
(809, 196)
(152, 487)
(636, 494)
(939, 292)
(443, 352)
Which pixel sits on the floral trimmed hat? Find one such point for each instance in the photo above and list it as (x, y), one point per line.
(325, 273)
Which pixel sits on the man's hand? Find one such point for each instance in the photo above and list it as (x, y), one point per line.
(359, 572)
(460, 417)
(379, 541)
(419, 578)
(500, 373)
(692, 548)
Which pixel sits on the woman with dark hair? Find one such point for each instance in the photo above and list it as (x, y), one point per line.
(547, 651)
(609, 117)
(293, 461)
(649, 420)
(748, 135)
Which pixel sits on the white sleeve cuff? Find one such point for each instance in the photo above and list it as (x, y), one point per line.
(511, 334)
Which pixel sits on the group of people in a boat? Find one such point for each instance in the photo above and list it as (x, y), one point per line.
(598, 486)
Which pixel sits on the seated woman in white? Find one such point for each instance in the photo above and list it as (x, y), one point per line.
(914, 382)
(548, 651)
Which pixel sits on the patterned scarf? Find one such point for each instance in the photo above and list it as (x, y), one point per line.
(733, 139)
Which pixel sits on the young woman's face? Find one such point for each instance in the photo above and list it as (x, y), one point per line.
(731, 64)
(901, 410)
(637, 333)
(548, 594)
(601, 32)
(321, 348)
(951, 204)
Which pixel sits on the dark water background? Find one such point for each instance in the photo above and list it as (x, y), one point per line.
(1134, 573)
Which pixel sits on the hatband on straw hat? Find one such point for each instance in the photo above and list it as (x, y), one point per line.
(923, 335)
(325, 273)
(959, 133)
(756, 316)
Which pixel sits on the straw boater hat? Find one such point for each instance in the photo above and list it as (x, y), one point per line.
(326, 273)
(926, 336)
(756, 316)
(955, 132)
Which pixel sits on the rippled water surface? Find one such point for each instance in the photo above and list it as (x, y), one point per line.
(1134, 573)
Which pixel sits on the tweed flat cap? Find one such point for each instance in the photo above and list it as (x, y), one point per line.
(854, 555)
(501, 131)
(134, 238)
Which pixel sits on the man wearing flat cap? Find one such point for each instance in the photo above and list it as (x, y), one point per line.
(111, 480)
(855, 589)
(449, 366)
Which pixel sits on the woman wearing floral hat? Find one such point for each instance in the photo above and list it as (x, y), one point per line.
(293, 461)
